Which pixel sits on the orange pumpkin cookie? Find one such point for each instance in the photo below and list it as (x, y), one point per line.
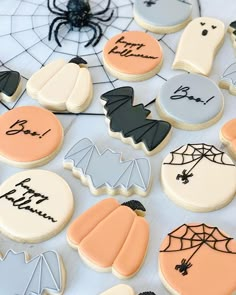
(111, 237)
(198, 259)
(133, 56)
(228, 136)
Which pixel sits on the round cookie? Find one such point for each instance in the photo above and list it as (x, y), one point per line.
(29, 136)
(199, 177)
(133, 56)
(190, 102)
(162, 16)
(198, 259)
(34, 205)
(228, 136)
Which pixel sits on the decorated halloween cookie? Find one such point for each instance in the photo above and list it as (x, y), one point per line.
(199, 44)
(232, 31)
(111, 237)
(29, 136)
(162, 16)
(228, 79)
(228, 136)
(123, 290)
(106, 173)
(62, 86)
(190, 101)
(133, 56)
(43, 274)
(199, 177)
(10, 85)
(198, 259)
(34, 205)
(130, 122)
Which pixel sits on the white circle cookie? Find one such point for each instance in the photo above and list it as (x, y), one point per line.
(34, 205)
(190, 101)
(199, 177)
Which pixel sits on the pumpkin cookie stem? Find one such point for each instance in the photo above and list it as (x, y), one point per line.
(135, 206)
(147, 293)
(79, 61)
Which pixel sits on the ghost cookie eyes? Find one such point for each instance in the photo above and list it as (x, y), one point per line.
(10, 85)
(199, 44)
(193, 256)
(62, 86)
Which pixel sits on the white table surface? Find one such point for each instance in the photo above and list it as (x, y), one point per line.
(162, 214)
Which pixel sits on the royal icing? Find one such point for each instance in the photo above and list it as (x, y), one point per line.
(34, 205)
(198, 45)
(228, 79)
(133, 54)
(123, 290)
(232, 31)
(110, 236)
(131, 121)
(41, 274)
(228, 136)
(162, 16)
(10, 85)
(199, 177)
(190, 101)
(198, 259)
(29, 136)
(106, 172)
(62, 86)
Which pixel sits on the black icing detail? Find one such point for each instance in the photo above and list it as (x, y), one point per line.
(147, 293)
(202, 24)
(195, 153)
(233, 25)
(78, 14)
(78, 60)
(149, 3)
(131, 120)
(193, 237)
(9, 82)
(134, 205)
(204, 32)
(214, 27)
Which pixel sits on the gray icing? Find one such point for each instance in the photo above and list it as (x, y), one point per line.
(21, 277)
(163, 13)
(191, 99)
(229, 75)
(106, 168)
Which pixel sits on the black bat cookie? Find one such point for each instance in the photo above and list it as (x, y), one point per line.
(131, 121)
(9, 85)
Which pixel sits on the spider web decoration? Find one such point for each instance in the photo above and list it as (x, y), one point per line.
(188, 237)
(24, 27)
(195, 153)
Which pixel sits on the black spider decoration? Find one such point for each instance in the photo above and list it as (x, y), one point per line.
(183, 267)
(149, 3)
(184, 177)
(78, 15)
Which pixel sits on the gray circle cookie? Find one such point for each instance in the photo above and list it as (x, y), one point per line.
(190, 101)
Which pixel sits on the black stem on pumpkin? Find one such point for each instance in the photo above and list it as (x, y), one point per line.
(135, 205)
(78, 60)
(147, 293)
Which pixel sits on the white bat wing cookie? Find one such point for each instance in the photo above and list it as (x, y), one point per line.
(106, 171)
(62, 86)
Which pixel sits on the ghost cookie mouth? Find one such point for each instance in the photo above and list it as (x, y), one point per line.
(204, 32)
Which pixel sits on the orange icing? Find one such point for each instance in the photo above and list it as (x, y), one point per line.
(111, 235)
(212, 271)
(229, 132)
(145, 45)
(25, 147)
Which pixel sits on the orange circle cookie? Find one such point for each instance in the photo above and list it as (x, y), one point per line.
(29, 136)
(133, 56)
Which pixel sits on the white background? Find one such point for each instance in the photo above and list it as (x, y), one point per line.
(162, 214)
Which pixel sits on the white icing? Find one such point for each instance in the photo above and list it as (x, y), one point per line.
(56, 202)
(119, 290)
(212, 183)
(199, 44)
(189, 109)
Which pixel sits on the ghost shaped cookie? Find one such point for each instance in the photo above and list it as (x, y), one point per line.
(62, 86)
(228, 136)
(198, 259)
(111, 237)
(162, 16)
(199, 44)
(123, 290)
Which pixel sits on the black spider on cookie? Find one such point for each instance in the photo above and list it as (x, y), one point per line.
(78, 15)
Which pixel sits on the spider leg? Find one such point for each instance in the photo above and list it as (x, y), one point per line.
(104, 10)
(58, 8)
(53, 11)
(100, 32)
(57, 30)
(94, 35)
(52, 25)
(104, 19)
